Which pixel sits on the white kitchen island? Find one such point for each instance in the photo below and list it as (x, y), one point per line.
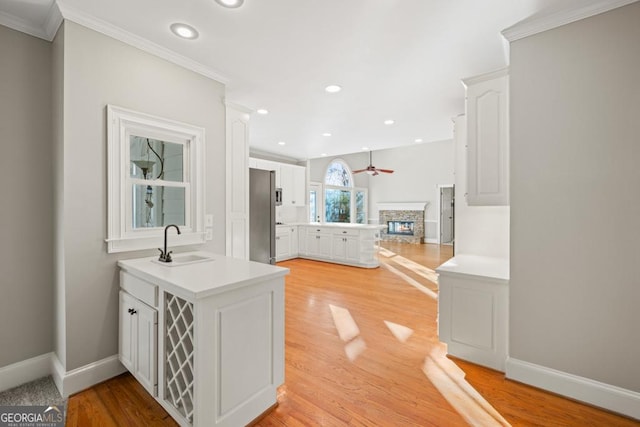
(204, 335)
(340, 243)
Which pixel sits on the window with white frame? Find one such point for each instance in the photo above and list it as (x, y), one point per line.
(342, 201)
(155, 175)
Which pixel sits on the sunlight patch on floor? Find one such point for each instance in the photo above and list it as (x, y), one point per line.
(348, 332)
(402, 333)
(448, 378)
(411, 281)
(419, 269)
(386, 252)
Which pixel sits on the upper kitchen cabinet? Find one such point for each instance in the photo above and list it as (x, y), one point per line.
(488, 139)
(291, 178)
(293, 182)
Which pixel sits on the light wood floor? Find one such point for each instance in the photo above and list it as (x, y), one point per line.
(379, 363)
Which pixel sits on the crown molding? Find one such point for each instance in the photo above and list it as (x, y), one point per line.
(21, 25)
(53, 21)
(486, 76)
(93, 23)
(551, 19)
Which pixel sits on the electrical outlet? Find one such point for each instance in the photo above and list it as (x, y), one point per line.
(208, 234)
(208, 220)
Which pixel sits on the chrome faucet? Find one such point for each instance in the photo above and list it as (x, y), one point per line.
(164, 255)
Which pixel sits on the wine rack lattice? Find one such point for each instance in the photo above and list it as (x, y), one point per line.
(179, 355)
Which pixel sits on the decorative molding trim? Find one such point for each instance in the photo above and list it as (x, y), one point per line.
(403, 206)
(486, 76)
(21, 25)
(131, 39)
(24, 371)
(551, 19)
(86, 376)
(603, 395)
(53, 21)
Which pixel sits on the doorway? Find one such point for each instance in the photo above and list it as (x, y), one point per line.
(446, 223)
(315, 202)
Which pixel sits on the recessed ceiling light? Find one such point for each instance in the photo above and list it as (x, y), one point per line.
(333, 88)
(389, 122)
(282, 143)
(326, 134)
(417, 140)
(324, 154)
(184, 31)
(262, 111)
(365, 148)
(230, 3)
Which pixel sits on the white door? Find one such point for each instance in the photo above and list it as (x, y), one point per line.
(316, 203)
(446, 215)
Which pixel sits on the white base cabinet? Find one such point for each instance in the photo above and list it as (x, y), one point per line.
(216, 350)
(286, 242)
(340, 243)
(139, 341)
(473, 309)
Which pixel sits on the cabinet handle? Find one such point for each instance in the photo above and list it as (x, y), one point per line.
(344, 232)
(132, 311)
(317, 237)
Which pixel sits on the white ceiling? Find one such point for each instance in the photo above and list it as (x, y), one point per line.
(395, 59)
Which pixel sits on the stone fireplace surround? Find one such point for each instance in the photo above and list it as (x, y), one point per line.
(413, 211)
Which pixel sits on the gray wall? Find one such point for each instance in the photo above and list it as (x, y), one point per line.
(98, 71)
(574, 289)
(26, 309)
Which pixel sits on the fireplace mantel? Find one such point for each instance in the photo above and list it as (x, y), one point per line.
(403, 206)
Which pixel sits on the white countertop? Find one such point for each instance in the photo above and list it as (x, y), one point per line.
(477, 266)
(342, 225)
(204, 278)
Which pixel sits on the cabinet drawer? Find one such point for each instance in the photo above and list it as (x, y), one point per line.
(144, 291)
(316, 230)
(346, 233)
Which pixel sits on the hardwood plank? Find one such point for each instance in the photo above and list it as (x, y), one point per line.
(383, 385)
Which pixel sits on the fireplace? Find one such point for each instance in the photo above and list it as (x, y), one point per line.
(404, 221)
(402, 228)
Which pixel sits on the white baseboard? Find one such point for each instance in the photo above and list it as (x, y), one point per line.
(86, 376)
(24, 371)
(599, 394)
(431, 240)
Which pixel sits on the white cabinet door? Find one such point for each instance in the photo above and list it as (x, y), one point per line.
(138, 341)
(147, 349)
(293, 241)
(127, 336)
(346, 248)
(299, 186)
(283, 244)
(286, 182)
(318, 243)
(302, 240)
(488, 139)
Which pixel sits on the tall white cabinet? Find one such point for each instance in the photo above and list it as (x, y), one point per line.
(488, 139)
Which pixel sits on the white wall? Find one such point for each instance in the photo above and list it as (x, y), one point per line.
(26, 266)
(419, 169)
(98, 71)
(575, 148)
(479, 230)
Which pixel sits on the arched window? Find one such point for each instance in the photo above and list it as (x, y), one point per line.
(341, 199)
(338, 174)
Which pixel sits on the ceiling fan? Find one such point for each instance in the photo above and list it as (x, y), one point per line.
(372, 170)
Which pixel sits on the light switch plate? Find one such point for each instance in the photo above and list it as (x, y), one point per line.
(208, 234)
(208, 220)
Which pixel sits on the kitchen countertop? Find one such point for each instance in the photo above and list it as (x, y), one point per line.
(335, 225)
(476, 266)
(203, 278)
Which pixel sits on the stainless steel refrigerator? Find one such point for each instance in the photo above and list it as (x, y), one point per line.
(262, 216)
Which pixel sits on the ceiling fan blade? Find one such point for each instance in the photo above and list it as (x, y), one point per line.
(384, 170)
(361, 170)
